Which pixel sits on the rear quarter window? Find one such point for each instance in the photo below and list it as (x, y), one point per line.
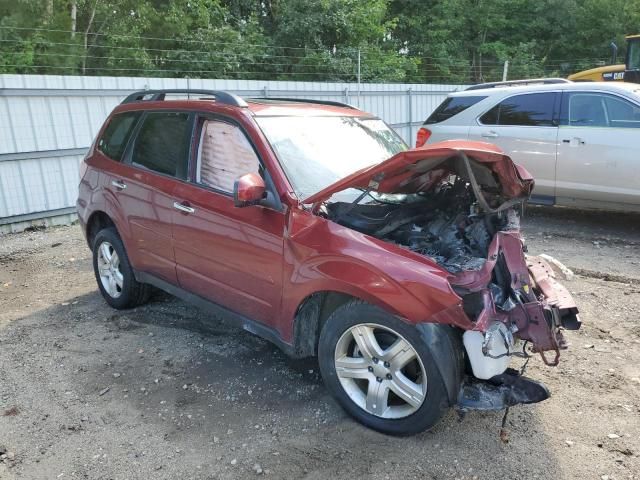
(452, 106)
(116, 136)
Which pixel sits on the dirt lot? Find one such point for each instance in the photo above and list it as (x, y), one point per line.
(166, 391)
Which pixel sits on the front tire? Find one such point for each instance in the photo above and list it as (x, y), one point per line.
(381, 370)
(114, 274)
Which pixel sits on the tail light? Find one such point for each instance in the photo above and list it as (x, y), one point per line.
(423, 136)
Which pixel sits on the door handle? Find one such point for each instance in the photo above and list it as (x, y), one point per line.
(490, 134)
(574, 141)
(183, 208)
(120, 185)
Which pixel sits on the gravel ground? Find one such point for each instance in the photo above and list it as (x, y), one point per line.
(165, 391)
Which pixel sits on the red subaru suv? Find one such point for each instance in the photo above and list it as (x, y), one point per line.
(314, 226)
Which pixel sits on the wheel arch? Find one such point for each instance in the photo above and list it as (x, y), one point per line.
(315, 308)
(310, 316)
(97, 221)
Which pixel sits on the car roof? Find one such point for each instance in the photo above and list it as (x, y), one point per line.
(619, 87)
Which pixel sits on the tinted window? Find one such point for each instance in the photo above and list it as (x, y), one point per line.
(116, 135)
(224, 155)
(450, 107)
(162, 145)
(600, 110)
(533, 109)
(587, 110)
(622, 113)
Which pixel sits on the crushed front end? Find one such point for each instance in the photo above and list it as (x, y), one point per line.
(521, 311)
(456, 203)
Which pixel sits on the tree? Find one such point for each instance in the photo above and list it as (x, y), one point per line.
(452, 41)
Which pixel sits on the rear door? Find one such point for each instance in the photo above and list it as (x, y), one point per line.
(143, 185)
(229, 255)
(599, 148)
(525, 126)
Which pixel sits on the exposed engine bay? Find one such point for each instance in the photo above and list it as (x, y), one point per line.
(446, 224)
(451, 221)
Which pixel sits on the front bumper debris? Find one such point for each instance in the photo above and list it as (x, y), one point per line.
(500, 392)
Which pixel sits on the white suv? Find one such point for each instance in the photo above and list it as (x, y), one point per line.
(581, 141)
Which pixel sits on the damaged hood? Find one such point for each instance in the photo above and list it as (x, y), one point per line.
(417, 169)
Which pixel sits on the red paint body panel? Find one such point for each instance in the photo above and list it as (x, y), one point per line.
(231, 256)
(323, 256)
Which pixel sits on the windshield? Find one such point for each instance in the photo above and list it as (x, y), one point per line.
(317, 151)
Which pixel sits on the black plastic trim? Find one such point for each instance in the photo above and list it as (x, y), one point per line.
(303, 100)
(159, 95)
(444, 347)
(245, 323)
(514, 83)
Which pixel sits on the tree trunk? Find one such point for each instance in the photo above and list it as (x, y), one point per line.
(74, 16)
(86, 37)
(48, 12)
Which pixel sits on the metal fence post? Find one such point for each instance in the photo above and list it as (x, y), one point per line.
(359, 106)
(505, 70)
(265, 91)
(410, 122)
(345, 95)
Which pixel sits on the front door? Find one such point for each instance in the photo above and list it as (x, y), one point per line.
(599, 149)
(229, 255)
(524, 127)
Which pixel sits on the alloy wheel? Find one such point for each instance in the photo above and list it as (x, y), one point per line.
(380, 371)
(109, 270)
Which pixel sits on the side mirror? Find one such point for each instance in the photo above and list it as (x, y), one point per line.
(249, 190)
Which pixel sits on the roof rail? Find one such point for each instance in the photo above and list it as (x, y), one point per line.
(515, 83)
(306, 100)
(158, 95)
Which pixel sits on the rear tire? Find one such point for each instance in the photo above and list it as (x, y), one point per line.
(381, 370)
(114, 274)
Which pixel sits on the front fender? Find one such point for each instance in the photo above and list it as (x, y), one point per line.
(323, 256)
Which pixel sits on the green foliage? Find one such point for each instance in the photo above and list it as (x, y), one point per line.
(452, 41)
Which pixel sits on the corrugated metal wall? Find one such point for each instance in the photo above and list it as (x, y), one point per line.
(47, 122)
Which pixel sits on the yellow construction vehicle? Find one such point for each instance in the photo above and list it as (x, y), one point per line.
(632, 70)
(627, 72)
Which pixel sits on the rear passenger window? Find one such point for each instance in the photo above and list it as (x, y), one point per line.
(116, 135)
(533, 109)
(224, 155)
(162, 145)
(452, 106)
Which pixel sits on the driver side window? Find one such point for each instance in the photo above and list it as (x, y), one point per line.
(224, 155)
(593, 109)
